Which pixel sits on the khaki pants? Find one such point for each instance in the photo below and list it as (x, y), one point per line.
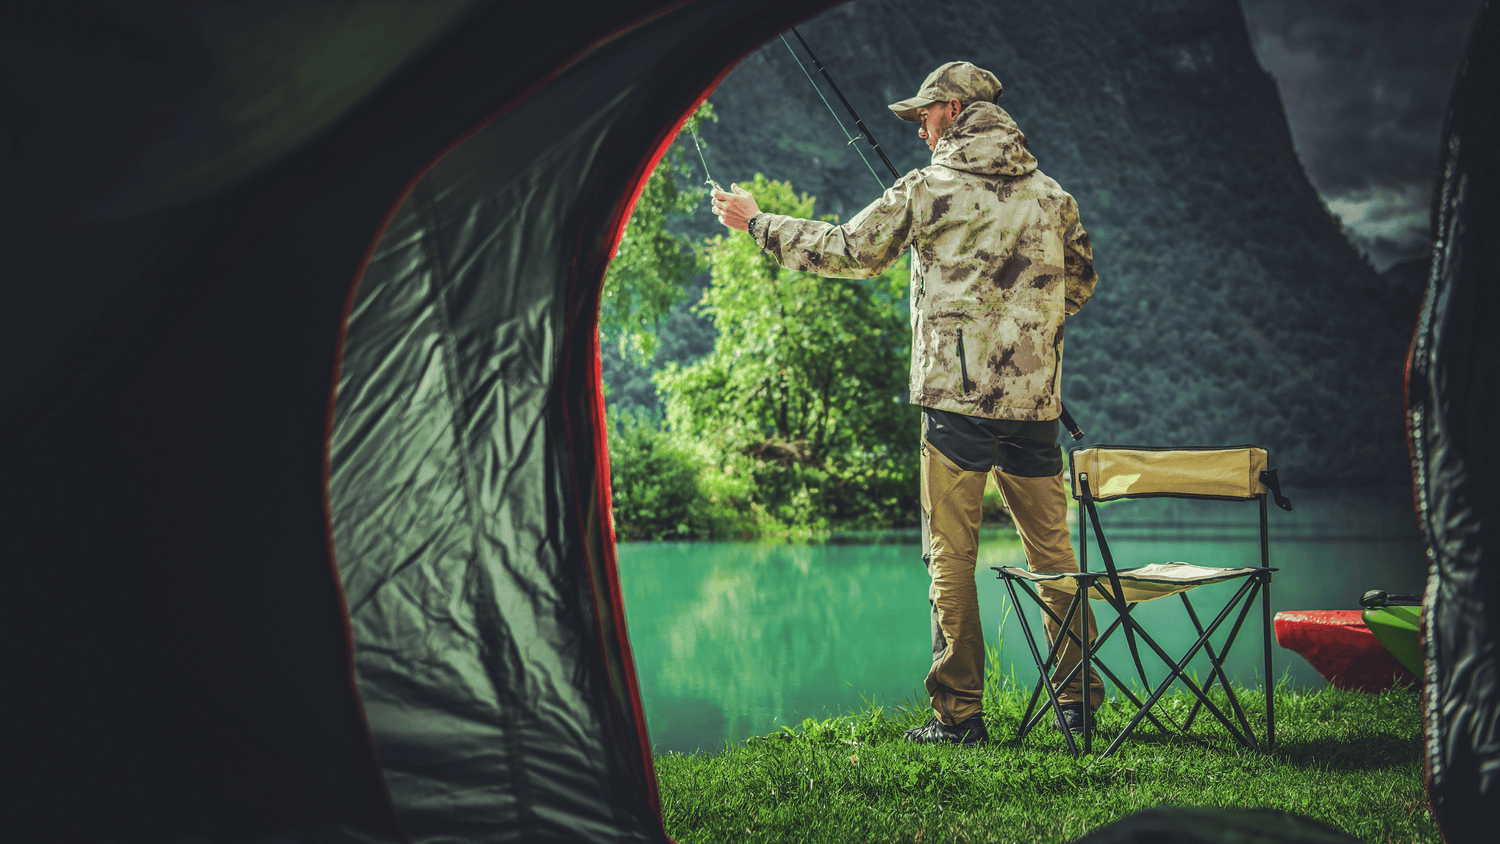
(951, 511)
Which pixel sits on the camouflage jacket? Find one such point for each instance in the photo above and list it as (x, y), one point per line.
(999, 259)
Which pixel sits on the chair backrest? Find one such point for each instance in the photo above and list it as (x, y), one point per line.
(1112, 472)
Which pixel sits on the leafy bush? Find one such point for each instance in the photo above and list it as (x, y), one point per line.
(667, 487)
(654, 481)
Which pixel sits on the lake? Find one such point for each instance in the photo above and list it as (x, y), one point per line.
(734, 639)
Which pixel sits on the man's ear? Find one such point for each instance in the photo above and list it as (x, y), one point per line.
(956, 106)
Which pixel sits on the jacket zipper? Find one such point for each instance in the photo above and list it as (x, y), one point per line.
(1057, 362)
(963, 366)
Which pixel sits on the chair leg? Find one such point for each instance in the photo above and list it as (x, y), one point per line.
(1192, 715)
(1177, 669)
(1248, 738)
(1082, 669)
(1029, 721)
(1176, 674)
(1217, 662)
(1031, 716)
(1036, 655)
(1234, 632)
(1113, 678)
(1265, 606)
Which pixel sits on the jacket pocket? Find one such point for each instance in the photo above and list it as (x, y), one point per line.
(963, 364)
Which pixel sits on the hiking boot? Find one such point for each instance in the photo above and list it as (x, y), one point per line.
(969, 733)
(1072, 718)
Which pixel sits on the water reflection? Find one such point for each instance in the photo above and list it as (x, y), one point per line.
(735, 639)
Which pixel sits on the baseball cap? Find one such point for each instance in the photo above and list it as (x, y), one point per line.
(954, 80)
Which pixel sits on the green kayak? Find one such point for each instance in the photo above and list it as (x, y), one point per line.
(1397, 628)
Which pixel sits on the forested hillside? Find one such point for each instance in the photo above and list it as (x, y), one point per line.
(1231, 308)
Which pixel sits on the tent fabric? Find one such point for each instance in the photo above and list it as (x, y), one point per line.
(1132, 472)
(187, 663)
(474, 621)
(449, 493)
(1215, 825)
(1453, 399)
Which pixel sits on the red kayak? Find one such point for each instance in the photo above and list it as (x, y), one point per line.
(1342, 648)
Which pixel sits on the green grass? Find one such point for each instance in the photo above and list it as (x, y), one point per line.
(1348, 760)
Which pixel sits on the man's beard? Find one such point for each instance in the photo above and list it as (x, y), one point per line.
(944, 121)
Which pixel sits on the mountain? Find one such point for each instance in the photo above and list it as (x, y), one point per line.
(1231, 308)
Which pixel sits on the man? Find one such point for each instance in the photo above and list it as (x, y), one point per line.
(998, 260)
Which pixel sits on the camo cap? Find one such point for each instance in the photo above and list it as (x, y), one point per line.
(953, 81)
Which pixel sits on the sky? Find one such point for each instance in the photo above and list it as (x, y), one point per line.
(1365, 84)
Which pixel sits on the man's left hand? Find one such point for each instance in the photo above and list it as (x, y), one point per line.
(736, 209)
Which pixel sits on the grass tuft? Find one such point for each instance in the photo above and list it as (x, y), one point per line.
(1346, 759)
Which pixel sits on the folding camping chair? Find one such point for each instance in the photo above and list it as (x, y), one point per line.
(1108, 473)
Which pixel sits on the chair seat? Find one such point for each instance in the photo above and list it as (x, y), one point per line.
(1146, 583)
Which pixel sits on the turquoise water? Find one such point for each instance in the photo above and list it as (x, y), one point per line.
(734, 639)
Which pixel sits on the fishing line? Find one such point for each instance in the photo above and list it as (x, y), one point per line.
(852, 138)
(710, 182)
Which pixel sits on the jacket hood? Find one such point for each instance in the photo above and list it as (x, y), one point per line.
(984, 140)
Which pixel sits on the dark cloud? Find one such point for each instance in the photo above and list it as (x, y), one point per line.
(1365, 84)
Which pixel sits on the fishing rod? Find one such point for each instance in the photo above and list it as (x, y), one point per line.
(864, 130)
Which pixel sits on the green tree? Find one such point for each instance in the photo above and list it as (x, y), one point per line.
(807, 378)
(653, 264)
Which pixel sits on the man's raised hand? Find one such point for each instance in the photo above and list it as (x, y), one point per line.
(736, 209)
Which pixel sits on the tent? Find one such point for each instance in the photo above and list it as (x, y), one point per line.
(198, 196)
(1453, 392)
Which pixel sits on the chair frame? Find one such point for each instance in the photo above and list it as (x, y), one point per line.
(1257, 584)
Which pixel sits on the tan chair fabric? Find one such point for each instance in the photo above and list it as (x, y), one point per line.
(1209, 473)
(1147, 583)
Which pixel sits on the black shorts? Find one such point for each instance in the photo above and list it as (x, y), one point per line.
(975, 444)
